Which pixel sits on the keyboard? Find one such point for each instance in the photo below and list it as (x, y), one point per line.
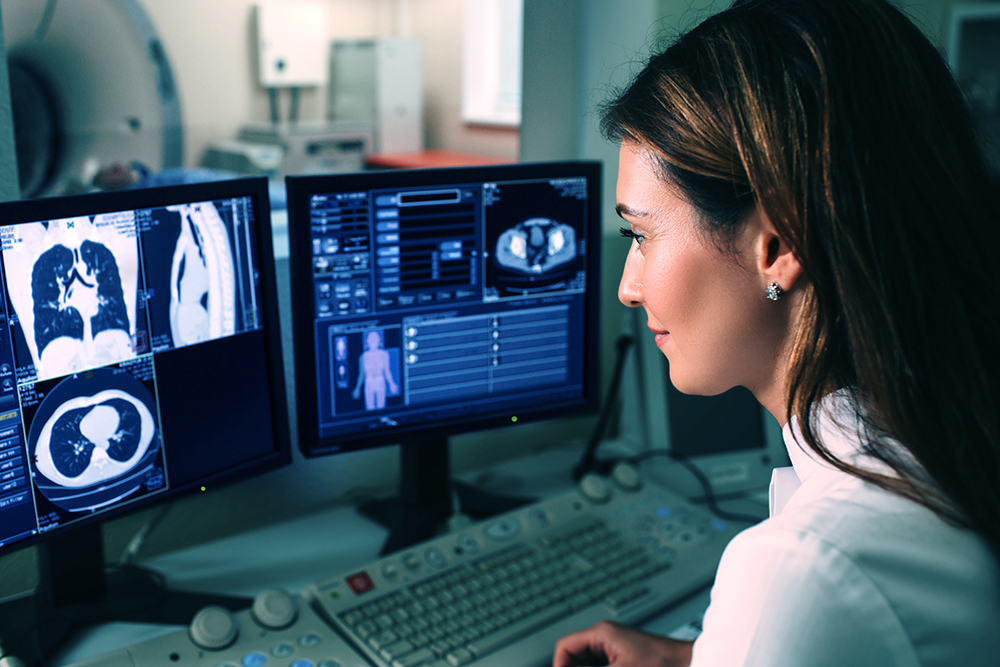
(502, 592)
(498, 593)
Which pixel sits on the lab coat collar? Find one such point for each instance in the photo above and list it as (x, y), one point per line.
(837, 426)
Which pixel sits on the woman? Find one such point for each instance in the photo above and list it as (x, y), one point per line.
(811, 219)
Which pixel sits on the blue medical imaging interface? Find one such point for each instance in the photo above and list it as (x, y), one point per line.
(119, 333)
(438, 302)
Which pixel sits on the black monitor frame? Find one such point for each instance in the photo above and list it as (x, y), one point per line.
(75, 586)
(426, 488)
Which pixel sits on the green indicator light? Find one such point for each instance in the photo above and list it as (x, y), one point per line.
(514, 418)
(203, 488)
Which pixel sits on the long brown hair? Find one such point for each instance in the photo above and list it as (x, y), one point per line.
(842, 122)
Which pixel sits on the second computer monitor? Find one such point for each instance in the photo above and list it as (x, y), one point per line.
(434, 302)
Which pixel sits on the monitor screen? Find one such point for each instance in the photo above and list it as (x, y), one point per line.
(430, 302)
(139, 352)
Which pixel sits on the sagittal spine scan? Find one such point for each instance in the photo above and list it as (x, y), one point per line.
(94, 450)
(202, 283)
(536, 245)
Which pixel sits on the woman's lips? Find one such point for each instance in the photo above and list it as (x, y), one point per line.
(661, 336)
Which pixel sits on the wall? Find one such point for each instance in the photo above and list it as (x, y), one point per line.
(211, 49)
(8, 163)
(438, 23)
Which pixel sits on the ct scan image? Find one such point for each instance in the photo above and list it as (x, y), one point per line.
(93, 440)
(72, 286)
(535, 240)
(193, 283)
(536, 246)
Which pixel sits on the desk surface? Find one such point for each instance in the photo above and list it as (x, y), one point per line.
(297, 553)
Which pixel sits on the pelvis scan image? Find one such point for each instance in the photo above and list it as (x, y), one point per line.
(536, 245)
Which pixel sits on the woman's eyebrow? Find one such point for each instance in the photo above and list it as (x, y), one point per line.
(622, 210)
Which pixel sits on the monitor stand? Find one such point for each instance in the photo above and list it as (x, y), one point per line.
(76, 590)
(425, 501)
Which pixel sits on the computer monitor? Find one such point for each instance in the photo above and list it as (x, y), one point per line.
(428, 303)
(139, 360)
(730, 438)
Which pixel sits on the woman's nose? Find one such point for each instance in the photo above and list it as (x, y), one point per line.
(630, 287)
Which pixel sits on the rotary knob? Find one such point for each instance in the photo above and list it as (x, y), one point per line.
(274, 609)
(213, 628)
(626, 477)
(595, 488)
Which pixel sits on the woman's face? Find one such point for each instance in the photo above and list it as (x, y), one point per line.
(708, 310)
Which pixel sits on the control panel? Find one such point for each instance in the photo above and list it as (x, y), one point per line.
(278, 630)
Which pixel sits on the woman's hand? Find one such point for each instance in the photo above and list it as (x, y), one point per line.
(609, 643)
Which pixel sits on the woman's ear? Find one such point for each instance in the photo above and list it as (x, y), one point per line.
(774, 258)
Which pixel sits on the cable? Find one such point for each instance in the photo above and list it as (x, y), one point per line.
(293, 112)
(706, 485)
(588, 460)
(138, 540)
(590, 463)
(46, 22)
(272, 94)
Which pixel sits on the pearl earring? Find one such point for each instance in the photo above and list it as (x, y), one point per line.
(774, 291)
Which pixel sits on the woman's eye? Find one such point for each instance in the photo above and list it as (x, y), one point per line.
(629, 234)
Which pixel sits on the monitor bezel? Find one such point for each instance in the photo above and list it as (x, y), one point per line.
(35, 210)
(299, 190)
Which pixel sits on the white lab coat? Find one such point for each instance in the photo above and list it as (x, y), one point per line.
(844, 573)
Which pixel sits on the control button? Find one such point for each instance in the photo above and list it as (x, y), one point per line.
(435, 558)
(213, 628)
(664, 551)
(664, 512)
(595, 488)
(302, 662)
(411, 562)
(626, 477)
(468, 543)
(282, 650)
(390, 571)
(504, 529)
(274, 609)
(539, 516)
(360, 582)
(667, 528)
(719, 525)
(255, 659)
(329, 663)
(310, 640)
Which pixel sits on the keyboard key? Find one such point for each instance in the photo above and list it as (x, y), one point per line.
(383, 639)
(492, 642)
(459, 657)
(413, 659)
(393, 651)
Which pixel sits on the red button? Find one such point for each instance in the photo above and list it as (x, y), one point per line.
(360, 582)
